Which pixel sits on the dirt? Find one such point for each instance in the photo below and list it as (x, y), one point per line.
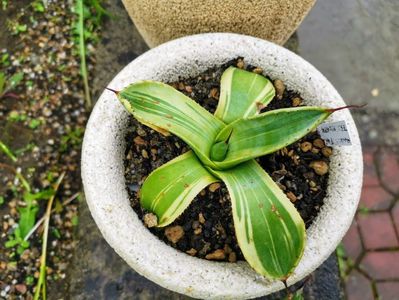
(202, 232)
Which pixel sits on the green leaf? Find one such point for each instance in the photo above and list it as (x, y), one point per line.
(15, 80)
(11, 243)
(7, 151)
(269, 230)
(165, 109)
(1, 200)
(268, 132)
(169, 190)
(242, 94)
(2, 82)
(44, 194)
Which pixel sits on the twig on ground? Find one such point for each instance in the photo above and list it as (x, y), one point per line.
(38, 223)
(41, 283)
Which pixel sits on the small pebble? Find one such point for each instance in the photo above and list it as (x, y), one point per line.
(201, 218)
(280, 88)
(306, 146)
(174, 233)
(319, 143)
(150, 220)
(214, 186)
(214, 94)
(319, 166)
(327, 151)
(144, 153)
(240, 64)
(315, 150)
(232, 257)
(217, 255)
(188, 89)
(138, 140)
(191, 252)
(291, 196)
(21, 288)
(296, 101)
(257, 70)
(198, 231)
(141, 132)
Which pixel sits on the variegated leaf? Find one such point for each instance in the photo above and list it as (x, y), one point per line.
(267, 132)
(270, 232)
(169, 190)
(242, 94)
(165, 109)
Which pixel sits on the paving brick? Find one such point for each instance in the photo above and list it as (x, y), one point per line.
(375, 198)
(382, 265)
(389, 169)
(388, 290)
(358, 287)
(352, 243)
(395, 215)
(370, 177)
(377, 230)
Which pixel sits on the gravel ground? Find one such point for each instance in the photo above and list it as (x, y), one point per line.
(42, 122)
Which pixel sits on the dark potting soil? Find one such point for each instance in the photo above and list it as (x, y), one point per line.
(206, 229)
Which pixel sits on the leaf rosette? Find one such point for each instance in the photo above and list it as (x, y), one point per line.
(269, 230)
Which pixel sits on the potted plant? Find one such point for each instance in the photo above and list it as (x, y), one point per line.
(104, 182)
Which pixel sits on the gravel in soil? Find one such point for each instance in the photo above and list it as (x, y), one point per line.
(206, 229)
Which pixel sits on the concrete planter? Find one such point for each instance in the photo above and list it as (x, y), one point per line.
(104, 183)
(160, 21)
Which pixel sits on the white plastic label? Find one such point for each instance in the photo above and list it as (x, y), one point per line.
(335, 133)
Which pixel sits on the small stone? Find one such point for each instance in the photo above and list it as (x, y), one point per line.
(3, 265)
(150, 220)
(296, 101)
(191, 252)
(21, 288)
(306, 146)
(257, 70)
(319, 143)
(188, 89)
(141, 132)
(203, 193)
(195, 225)
(312, 184)
(227, 249)
(216, 255)
(138, 140)
(174, 233)
(214, 93)
(315, 150)
(291, 196)
(319, 166)
(240, 64)
(232, 257)
(198, 231)
(11, 266)
(280, 88)
(214, 186)
(327, 151)
(201, 218)
(144, 153)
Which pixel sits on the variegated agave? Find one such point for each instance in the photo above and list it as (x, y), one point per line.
(269, 230)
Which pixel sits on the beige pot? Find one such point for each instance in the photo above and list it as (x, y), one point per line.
(162, 20)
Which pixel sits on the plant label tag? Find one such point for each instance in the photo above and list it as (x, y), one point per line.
(335, 133)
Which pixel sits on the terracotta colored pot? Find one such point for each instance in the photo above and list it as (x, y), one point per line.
(162, 20)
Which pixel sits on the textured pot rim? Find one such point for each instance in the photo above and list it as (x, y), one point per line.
(104, 183)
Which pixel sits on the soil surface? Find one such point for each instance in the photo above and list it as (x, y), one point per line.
(301, 171)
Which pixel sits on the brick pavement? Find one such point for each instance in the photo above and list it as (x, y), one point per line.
(370, 260)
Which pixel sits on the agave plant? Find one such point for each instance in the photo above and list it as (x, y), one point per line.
(269, 230)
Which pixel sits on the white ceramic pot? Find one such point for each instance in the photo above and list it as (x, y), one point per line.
(104, 182)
